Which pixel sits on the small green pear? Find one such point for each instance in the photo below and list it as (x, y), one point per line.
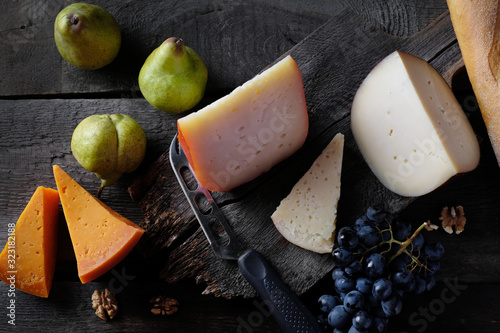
(173, 77)
(87, 36)
(108, 146)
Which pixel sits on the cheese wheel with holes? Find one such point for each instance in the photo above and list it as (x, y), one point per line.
(244, 134)
(410, 128)
(307, 216)
(28, 260)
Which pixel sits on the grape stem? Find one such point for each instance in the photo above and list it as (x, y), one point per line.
(407, 242)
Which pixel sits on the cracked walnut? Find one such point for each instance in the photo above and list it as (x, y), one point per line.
(164, 305)
(105, 304)
(453, 217)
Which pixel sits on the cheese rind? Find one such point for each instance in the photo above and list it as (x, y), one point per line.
(28, 260)
(100, 236)
(410, 128)
(307, 216)
(246, 133)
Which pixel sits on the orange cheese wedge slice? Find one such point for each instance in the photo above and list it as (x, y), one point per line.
(101, 237)
(28, 260)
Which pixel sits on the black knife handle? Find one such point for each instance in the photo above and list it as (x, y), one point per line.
(286, 307)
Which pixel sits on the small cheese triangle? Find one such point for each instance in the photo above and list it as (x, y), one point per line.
(307, 216)
(28, 260)
(101, 237)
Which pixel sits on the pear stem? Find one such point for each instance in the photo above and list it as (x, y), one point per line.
(75, 22)
(99, 191)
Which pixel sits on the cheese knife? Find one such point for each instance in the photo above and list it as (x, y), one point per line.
(288, 310)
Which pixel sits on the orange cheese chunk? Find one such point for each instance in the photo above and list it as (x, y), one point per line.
(101, 237)
(244, 134)
(28, 260)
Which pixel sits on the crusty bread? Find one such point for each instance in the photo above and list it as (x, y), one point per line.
(477, 27)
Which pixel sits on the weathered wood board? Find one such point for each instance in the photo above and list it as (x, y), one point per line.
(42, 99)
(218, 30)
(333, 61)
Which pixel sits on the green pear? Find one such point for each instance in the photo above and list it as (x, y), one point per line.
(87, 36)
(173, 77)
(109, 146)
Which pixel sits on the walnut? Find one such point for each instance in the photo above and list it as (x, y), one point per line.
(164, 305)
(429, 226)
(453, 216)
(104, 303)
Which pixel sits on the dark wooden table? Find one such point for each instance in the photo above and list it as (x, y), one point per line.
(42, 99)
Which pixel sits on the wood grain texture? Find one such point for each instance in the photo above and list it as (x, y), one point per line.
(218, 30)
(398, 18)
(330, 87)
(29, 149)
(73, 311)
(42, 99)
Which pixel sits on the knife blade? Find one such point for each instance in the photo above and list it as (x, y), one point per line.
(288, 310)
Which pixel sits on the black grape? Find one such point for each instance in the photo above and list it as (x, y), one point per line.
(379, 261)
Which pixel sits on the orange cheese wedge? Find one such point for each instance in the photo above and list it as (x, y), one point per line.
(101, 237)
(28, 260)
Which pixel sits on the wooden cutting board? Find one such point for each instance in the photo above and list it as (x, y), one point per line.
(333, 61)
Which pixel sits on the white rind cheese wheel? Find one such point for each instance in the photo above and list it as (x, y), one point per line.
(244, 134)
(410, 128)
(307, 216)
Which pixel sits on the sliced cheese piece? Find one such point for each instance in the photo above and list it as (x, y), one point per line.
(100, 236)
(410, 128)
(28, 260)
(246, 133)
(307, 216)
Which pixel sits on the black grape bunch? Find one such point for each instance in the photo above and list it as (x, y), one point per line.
(378, 261)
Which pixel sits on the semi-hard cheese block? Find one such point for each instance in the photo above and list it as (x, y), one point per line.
(28, 260)
(100, 236)
(307, 216)
(246, 133)
(410, 128)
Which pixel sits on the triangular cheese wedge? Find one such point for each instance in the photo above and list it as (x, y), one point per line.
(307, 216)
(101, 237)
(28, 260)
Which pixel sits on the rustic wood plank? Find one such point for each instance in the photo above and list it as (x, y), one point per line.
(330, 86)
(29, 148)
(167, 231)
(34, 133)
(73, 309)
(218, 31)
(453, 305)
(398, 18)
(69, 308)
